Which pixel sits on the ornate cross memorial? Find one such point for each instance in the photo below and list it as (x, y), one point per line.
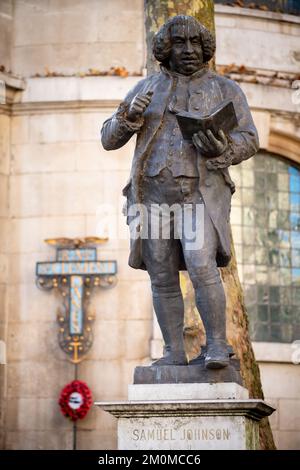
(75, 272)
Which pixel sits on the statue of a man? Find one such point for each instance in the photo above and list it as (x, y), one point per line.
(168, 169)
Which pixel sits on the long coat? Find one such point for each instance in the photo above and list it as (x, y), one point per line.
(206, 91)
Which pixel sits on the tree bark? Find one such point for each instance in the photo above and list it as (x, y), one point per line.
(156, 14)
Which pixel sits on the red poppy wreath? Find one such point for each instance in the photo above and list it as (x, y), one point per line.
(75, 400)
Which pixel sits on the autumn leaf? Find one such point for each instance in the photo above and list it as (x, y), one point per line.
(119, 71)
(263, 7)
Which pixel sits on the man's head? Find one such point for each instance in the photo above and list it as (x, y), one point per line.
(183, 45)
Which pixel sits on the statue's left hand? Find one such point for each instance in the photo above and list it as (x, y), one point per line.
(210, 145)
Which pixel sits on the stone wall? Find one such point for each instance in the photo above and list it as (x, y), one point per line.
(69, 37)
(6, 29)
(60, 177)
(253, 38)
(4, 181)
(281, 385)
(55, 176)
(283, 6)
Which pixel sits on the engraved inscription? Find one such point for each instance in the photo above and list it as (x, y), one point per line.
(168, 434)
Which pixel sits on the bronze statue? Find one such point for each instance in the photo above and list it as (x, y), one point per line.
(168, 169)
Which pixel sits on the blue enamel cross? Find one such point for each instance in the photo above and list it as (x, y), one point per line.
(75, 272)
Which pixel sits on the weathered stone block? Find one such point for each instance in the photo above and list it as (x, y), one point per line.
(44, 158)
(55, 194)
(258, 37)
(41, 382)
(28, 304)
(112, 304)
(60, 127)
(67, 25)
(109, 339)
(4, 144)
(38, 414)
(280, 388)
(4, 197)
(188, 424)
(41, 346)
(19, 129)
(39, 440)
(288, 440)
(27, 234)
(137, 334)
(4, 268)
(289, 414)
(192, 391)
(262, 122)
(92, 156)
(103, 377)
(96, 440)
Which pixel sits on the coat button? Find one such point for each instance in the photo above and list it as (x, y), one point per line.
(207, 183)
(196, 107)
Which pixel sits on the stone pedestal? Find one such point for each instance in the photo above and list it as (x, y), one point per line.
(188, 417)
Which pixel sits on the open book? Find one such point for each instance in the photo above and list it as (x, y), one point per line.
(222, 117)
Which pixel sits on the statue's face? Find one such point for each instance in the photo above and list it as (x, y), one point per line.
(186, 55)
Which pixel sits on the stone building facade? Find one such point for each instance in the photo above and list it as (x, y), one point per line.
(57, 181)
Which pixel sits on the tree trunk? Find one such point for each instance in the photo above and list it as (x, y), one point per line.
(158, 11)
(156, 14)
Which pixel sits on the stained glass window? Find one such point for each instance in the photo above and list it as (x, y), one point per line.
(265, 219)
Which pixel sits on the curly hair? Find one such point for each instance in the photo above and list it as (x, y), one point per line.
(162, 44)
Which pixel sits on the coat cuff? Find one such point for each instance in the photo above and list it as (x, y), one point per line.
(223, 161)
(125, 124)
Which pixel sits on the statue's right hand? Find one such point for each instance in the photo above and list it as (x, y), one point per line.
(138, 106)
